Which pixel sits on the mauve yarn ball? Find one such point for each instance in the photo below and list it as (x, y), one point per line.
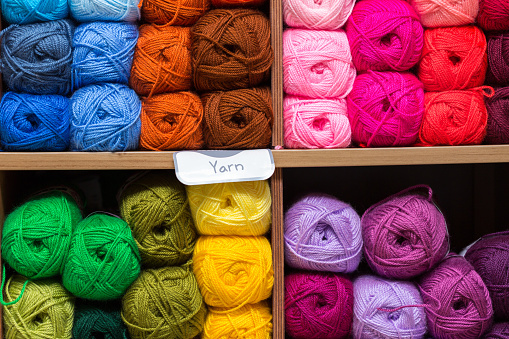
(497, 131)
(404, 235)
(498, 58)
(490, 258)
(458, 302)
(387, 309)
(498, 331)
(322, 233)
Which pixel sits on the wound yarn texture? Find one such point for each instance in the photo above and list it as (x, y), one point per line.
(498, 59)
(30, 11)
(94, 320)
(497, 130)
(318, 15)
(174, 12)
(105, 10)
(498, 331)
(493, 15)
(446, 12)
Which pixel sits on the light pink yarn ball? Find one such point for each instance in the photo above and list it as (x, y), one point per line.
(317, 14)
(316, 123)
(445, 13)
(317, 64)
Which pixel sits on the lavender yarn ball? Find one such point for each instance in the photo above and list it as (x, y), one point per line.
(322, 233)
(374, 297)
(498, 331)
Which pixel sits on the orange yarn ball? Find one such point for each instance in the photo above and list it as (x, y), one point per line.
(162, 60)
(453, 58)
(171, 121)
(174, 12)
(454, 118)
(237, 3)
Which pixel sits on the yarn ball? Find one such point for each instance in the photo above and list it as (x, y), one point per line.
(322, 233)
(317, 63)
(37, 234)
(162, 60)
(103, 259)
(498, 331)
(453, 58)
(164, 303)
(498, 59)
(103, 52)
(493, 15)
(231, 208)
(36, 58)
(386, 109)
(252, 321)
(318, 305)
(497, 130)
(446, 13)
(156, 208)
(105, 10)
(458, 302)
(238, 3)
(174, 12)
(45, 310)
(30, 11)
(453, 118)
(315, 123)
(238, 119)
(387, 309)
(233, 271)
(395, 44)
(490, 257)
(98, 321)
(231, 49)
(31, 122)
(105, 118)
(319, 14)
(405, 234)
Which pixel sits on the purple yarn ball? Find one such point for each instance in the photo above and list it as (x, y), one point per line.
(498, 331)
(322, 233)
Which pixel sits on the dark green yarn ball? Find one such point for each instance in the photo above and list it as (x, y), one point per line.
(93, 321)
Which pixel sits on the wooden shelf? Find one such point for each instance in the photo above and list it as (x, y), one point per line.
(282, 158)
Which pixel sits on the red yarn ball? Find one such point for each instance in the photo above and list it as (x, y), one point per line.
(493, 15)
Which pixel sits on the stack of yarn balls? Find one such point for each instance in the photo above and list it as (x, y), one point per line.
(415, 288)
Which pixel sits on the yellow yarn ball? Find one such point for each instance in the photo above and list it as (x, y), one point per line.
(233, 271)
(45, 309)
(252, 321)
(234, 208)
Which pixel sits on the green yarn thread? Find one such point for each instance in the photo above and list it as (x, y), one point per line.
(156, 208)
(37, 234)
(98, 321)
(164, 303)
(103, 258)
(46, 310)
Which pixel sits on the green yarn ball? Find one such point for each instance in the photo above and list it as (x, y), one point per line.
(164, 303)
(36, 235)
(98, 321)
(156, 208)
(103, 259)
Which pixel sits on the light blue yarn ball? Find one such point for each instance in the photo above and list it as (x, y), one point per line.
(103, 52)
(29, 11)
(105, 118)
(31, 122)
(105, 10)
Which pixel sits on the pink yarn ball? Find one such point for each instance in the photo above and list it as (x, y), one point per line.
(384, 35)
(445, 13)
(317, 64)
(316, 123)
(386, 109)
(317, 14)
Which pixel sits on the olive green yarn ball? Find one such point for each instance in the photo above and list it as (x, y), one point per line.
(45, 310)
(164, 303)
(36, 235)
(155, 207)
(103, 259)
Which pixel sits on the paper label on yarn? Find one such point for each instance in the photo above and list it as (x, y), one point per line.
(212, 167)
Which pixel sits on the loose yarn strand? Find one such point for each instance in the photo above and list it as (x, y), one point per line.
(3, 286)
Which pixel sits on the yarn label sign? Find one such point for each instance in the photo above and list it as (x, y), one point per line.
(212, 167)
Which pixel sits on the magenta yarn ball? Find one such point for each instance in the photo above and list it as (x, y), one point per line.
(458, 302)
(317, 14)
(386, 109)
(315, 123)
(317, 64)
(318, 305)
(498, 331)
(384, 35)
(446, 13)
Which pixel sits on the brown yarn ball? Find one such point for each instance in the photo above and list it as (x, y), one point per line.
(162, 60)
(174, 12)
(238, 119)
(231, 49)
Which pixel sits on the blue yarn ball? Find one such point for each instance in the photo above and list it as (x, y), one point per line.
(105, 10)
(105, 118)
(31, 122)
(103, 52)
(29, 11)
(36, 58)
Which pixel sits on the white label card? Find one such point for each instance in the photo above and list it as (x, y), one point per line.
(212, 167)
